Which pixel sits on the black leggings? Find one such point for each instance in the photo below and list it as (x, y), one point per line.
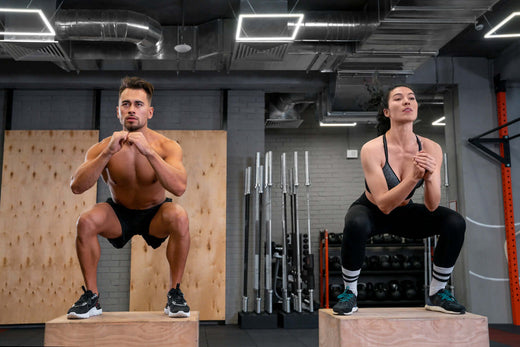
(364, 219)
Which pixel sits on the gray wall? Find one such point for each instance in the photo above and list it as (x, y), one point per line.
(481, 273)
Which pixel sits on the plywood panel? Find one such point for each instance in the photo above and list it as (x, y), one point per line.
(124, 329)
(40, 276)
(412, 327)
(204, 281)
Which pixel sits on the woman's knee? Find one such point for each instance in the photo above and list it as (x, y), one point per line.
(454, 225)
(357, 227)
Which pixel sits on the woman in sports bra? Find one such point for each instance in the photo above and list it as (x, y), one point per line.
(395, 164)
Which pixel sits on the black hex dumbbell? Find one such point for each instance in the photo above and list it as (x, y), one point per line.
(409, 289)
(362, 291)
(333, 238)
(396, 261)
(335, 263)
(380, 291)
(378, 238)
(384, 261)
(373, 262)
(394, 290)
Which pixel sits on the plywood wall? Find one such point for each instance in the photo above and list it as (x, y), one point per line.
(40, 277)
(204, 281)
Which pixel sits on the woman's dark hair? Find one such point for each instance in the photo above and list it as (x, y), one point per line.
(383, 122)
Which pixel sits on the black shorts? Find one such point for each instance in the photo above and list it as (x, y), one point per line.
(135, 222)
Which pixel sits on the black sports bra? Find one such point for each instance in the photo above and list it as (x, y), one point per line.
(391, 178)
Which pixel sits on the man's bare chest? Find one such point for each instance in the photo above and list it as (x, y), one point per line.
(129, 167)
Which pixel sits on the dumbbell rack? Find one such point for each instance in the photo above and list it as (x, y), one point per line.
(329, 276)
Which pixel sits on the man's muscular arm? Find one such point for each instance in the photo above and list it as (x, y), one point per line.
(170, 171)
(96, 160)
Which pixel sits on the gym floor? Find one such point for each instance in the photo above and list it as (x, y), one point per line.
(210, 335)
(501, 335)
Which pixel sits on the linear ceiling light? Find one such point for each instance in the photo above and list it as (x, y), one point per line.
(338, 124)
(242, 35)
(492, 33)
(29, 36)
(439, 122)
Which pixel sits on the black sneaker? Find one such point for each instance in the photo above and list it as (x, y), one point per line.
(443, 301)
(347, 303)
(87, 306)
(176, 305)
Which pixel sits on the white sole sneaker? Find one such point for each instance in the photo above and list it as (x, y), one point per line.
(440, 309)
(354, 309)
(91, 313)
(179, 314)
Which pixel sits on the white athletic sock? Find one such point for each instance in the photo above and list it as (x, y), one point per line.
(350, 279)
(440, 277)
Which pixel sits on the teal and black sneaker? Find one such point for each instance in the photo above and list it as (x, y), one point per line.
(443, 301)
(347, 303)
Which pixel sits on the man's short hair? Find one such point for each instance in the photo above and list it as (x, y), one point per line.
(137, 83)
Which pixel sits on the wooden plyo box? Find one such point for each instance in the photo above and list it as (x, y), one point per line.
(410, 326)
(124, 329)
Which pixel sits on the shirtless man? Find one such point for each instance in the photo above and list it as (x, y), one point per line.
(138, 165)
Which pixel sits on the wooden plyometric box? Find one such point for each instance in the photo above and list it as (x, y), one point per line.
(402, 327)
(124, 329)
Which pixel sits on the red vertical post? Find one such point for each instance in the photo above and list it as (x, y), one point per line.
(326, 269)
(509, 217)
(322, 270)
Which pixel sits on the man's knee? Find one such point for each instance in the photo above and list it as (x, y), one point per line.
(176, 218)
(88, 224)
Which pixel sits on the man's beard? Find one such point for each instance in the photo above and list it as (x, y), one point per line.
(133, 127)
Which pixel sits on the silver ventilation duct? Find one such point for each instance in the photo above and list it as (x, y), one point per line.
(112, 26)
(324, 26)
(285, 110)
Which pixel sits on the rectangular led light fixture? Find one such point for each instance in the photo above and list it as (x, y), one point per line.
(439, 122)
(492, 33)
(28, 36)
(338, 124)
(252, 27)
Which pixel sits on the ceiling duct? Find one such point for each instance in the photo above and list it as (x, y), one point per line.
(323, 26)
(285, 110)
(112, 26)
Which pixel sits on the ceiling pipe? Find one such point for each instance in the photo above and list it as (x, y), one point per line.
(112, 26)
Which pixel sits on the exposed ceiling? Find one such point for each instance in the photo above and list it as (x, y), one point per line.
(366, 40)
(367, 36)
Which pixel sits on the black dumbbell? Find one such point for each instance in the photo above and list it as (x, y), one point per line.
(378, 238)
(335, 263)
(394, 290)
(370, 291)
(409, 290)
(380, 291)
(364, 266)
(333, 238)
(397, 261)
(373, 262)
(362, 291)
(387, 238)
(407, 264)
(335, 289)
(384, 261)
(417, 262)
